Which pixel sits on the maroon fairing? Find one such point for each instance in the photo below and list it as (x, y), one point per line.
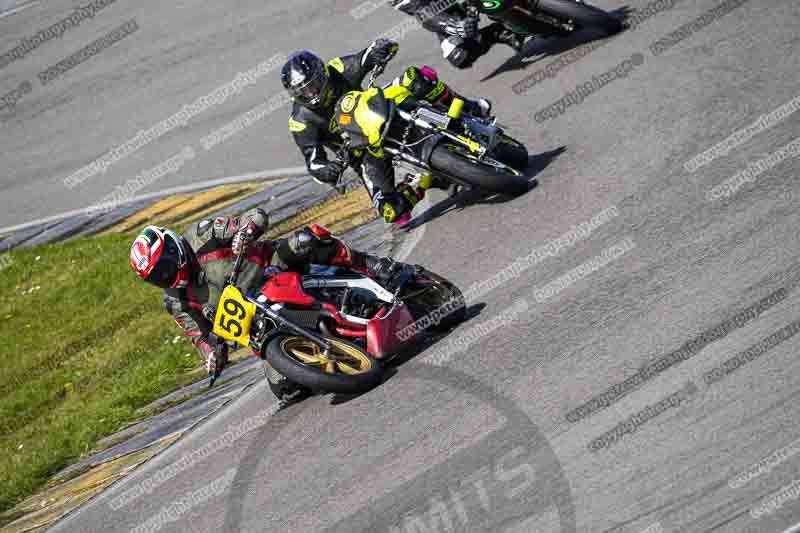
(381, 330)
(343, 324)
(382, 337)
(287, 287)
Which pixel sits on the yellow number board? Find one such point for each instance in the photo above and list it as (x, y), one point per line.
(234, 316)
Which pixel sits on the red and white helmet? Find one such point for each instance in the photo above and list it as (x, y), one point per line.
(161, 257)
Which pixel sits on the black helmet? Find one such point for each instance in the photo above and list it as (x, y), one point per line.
(306, 78)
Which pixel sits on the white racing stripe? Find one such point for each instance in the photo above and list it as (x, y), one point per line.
(794, 529)
(410, 242)
(407, 247)
(8, 10)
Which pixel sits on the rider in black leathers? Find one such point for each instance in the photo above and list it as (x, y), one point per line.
(316, 86)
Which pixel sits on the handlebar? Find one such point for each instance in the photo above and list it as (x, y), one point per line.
(344, 153)
(377, 70)
(233, 277)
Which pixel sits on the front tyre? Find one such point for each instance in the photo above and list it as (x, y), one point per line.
(582, 15)
(488, 173)
(511, 152)
(346, 370)
(434, 296)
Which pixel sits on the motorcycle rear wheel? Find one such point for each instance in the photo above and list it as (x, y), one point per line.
(582, 15)
(487, 173)
(350, 371)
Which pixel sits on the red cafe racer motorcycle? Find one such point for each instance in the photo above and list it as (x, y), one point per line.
(330, 331)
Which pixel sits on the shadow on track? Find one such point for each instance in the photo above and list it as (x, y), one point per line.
(540, 48)
(425, 341)
(466, 197)
(547, 494)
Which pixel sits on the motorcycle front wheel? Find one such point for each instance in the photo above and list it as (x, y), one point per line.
(347, 369)
(511, 152)
(434, 296)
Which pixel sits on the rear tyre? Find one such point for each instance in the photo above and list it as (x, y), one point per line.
(302, 361)
(487, 173)
(582, 15)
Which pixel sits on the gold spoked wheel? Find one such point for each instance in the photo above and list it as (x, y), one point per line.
(342, 359)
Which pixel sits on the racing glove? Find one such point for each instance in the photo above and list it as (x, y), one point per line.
(243, 238)
(329, 173)
(215, 356)
(217, 359)
(380, 51)
(481, 107)
(382, 269)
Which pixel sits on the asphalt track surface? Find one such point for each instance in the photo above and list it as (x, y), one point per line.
(489, 438)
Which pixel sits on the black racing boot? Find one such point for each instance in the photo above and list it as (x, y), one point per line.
(431, 181)
(481, 107)
(396, 207)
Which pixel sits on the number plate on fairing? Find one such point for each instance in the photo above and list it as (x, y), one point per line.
(234, 316)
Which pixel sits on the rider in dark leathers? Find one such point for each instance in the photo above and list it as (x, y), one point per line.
(461, 41)
(316, 86)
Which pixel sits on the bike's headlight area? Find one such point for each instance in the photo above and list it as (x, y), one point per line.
(433, 117)
(486, 134)
(363, 303)
(260, 328)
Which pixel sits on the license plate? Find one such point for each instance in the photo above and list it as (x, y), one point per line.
(234, 316)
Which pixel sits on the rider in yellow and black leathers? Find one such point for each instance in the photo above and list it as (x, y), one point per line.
(315, 88)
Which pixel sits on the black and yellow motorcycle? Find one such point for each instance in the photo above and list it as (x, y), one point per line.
(428, 142)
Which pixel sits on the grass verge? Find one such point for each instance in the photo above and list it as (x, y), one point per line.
(87, 345)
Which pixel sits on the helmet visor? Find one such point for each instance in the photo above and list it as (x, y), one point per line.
(311, 91)
(165, 271)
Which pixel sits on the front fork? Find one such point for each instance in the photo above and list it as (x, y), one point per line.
(286, 325)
